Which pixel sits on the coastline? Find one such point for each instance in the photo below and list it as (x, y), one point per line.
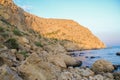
(25, 54)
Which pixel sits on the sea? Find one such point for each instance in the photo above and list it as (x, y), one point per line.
(88, 57)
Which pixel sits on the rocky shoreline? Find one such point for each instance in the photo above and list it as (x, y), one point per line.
(14, 66)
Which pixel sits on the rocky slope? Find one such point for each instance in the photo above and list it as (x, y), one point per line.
(27, 52)
(59, 29)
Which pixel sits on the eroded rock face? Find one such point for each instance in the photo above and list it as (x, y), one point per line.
(102, 66)
(60, 29)
(7, 74)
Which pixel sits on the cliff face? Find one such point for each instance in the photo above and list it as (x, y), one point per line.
(59, 29)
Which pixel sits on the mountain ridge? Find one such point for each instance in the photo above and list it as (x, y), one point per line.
(61, 29)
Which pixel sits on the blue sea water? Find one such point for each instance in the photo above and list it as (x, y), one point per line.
(90, 56)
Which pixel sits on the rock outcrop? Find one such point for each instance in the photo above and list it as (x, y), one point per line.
(102, 66)
(59, 29)
(118, 53)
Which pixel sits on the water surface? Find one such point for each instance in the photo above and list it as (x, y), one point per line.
(90, 56)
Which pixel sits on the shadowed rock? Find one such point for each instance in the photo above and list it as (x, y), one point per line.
(1, 61)
(116, 66)
(118, 53)
(76, 64)
(116, 75)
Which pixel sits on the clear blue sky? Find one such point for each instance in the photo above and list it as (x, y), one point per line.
(102, 17)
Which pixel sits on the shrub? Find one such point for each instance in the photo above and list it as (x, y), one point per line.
(38, 44)
(24, 53)
(5, 35)
(31, 31)
(12, 44)
(1, 29)
(17, 32)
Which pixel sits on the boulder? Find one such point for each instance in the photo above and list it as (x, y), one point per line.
(7, 57)
(55, 48)
(65, 76)
(69, 76)
(116, 75)
(116, 66)
(118, 53)
(1, 61)
(102, 66)
(98, 77)
(86, 72)
(6, 73)
(23, 40)
(108, 76)
(64, 60)
(70, 46)
(70, 61)
(57, 60)
(20, 57)
(33, 68)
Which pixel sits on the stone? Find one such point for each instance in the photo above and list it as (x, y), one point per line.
(116, 67)
(55, 48)
(66, 76)
(86, 72)
(118, 53)
(57, 60)
(13, 51)
(98, 77)
(116, 75)
(64, 60)
(1, 61)
(20, 57)
(70, 46)
(102, 66)
(108, 76)
(70, 61)
(7, 74)
(7, 57)
(92, 57)
(34, 69)
(23, 40)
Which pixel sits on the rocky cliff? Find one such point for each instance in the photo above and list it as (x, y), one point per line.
(59, 29)
(34, 48)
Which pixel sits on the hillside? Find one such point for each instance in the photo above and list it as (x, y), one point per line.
(59, 29)
(35, 48)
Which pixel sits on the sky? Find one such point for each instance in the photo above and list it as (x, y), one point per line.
(102, 17)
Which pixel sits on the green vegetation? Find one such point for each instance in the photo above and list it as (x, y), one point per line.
(17, 32)
(3, 20)
(12, 44)
(38, 44)
(40, 36)
(24, 53)
(31, 31)
(5, 35)
(1, 29)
